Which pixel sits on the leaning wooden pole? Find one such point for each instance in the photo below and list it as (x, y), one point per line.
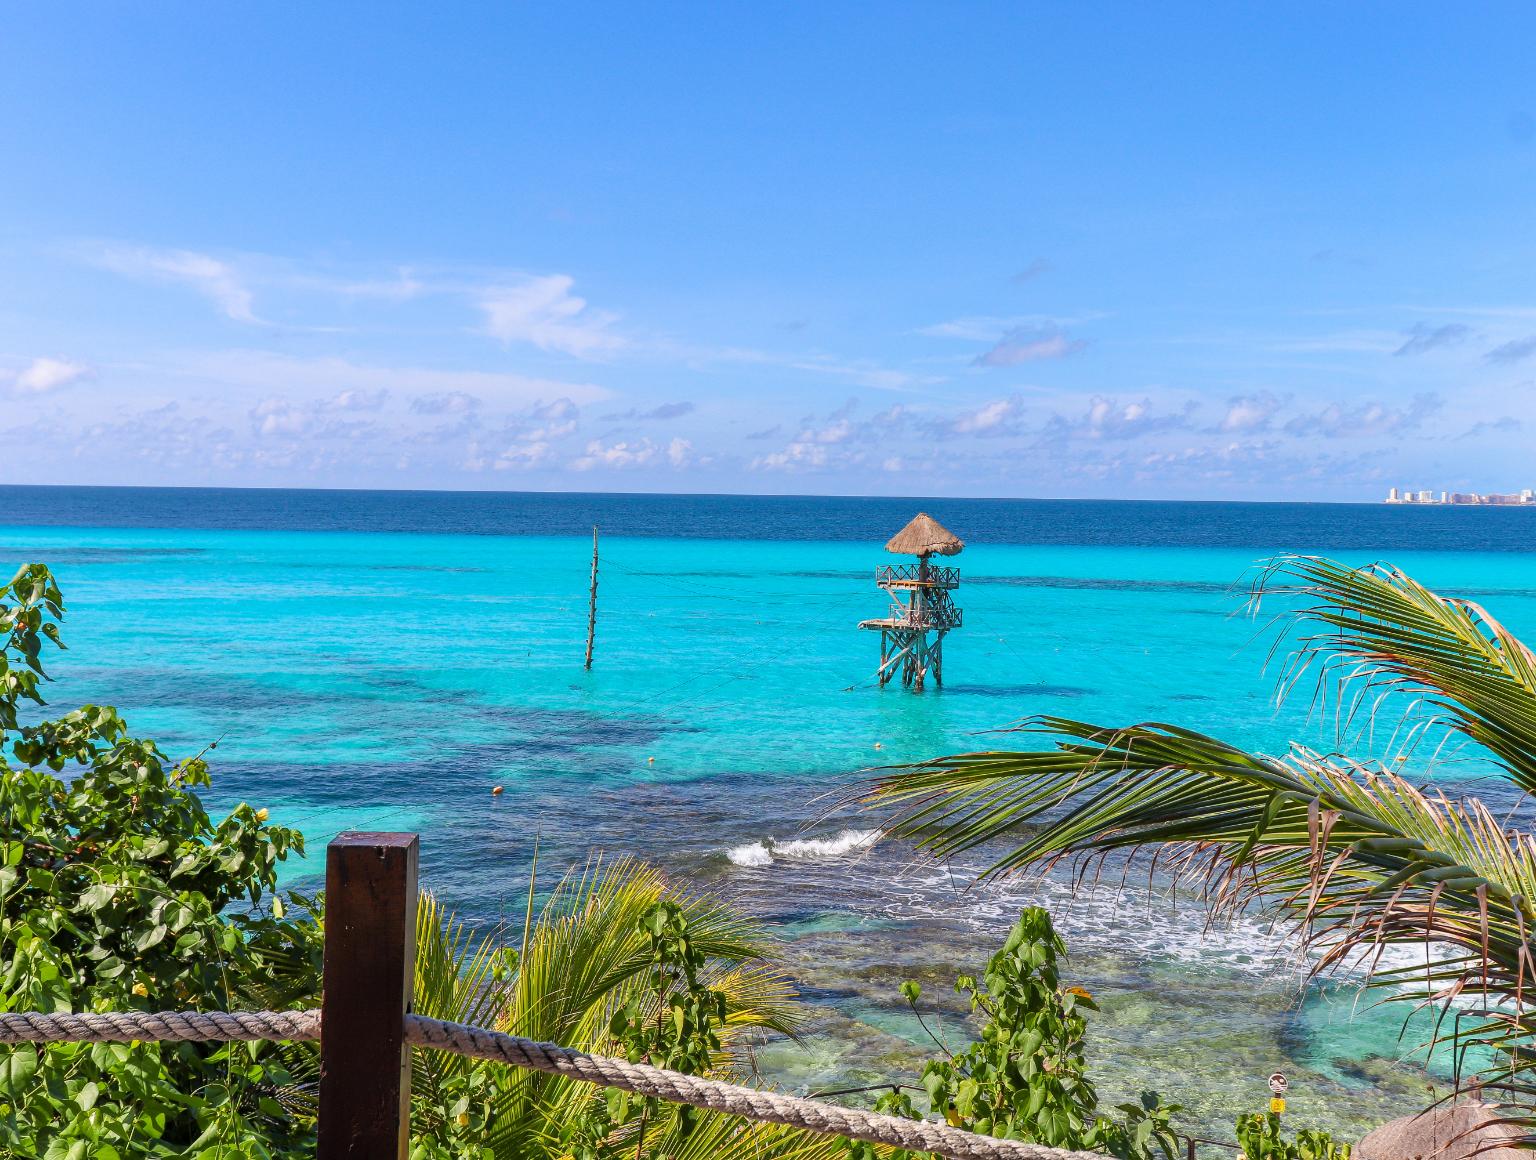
(369, 973)
(592, 601)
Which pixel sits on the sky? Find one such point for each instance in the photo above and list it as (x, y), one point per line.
(1229, 251)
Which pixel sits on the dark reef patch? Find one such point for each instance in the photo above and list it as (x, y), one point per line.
(1103, 584)
(80, 554)
(1034, 690)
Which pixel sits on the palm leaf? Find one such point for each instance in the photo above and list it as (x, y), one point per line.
(1376, 630)
(577, 959)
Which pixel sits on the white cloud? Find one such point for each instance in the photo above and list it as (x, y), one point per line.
(836, 439)
(274, 416)
(543, 311)
(1250, 412)
(864, 374)
(557, 419)
(980, 328)
(213, 279)
(999, 417)
(357, 399)
(861, 372)
(1025, 344)
(622, 454)
(1422, 338)
(798, 456)
(42, 375)
(680, 452)
(1108, 418)
(445, 403)
(524, 455)
(1365, 420)
(1513, 351)
(265, 371)
(401, 288)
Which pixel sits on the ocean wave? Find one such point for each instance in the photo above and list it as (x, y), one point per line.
(1107, 918)
(1110, 918)
(771, 850)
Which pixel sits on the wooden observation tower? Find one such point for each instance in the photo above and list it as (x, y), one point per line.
(921, 603)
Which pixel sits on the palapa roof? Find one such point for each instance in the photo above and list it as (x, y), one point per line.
(925, 536)
(1466, 1131)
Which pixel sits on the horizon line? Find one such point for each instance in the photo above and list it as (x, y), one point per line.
(688, 494)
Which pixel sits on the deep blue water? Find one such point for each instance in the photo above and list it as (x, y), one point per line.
(1083, 523)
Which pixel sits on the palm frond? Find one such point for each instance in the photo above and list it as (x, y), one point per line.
(1375, 630)
(1356, 856)
(559, 978)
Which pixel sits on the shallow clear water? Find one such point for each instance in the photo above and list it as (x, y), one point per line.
(367, 679)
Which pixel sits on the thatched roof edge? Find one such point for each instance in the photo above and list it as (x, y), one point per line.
(925, 536)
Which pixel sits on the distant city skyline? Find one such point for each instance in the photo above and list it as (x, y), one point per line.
(1525, 497)
(980, 250)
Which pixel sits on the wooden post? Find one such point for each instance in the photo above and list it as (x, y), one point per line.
(592, 602)
(370, 953)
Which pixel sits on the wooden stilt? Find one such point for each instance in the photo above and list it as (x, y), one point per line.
(592, 602)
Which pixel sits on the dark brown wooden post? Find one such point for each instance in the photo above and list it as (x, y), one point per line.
(370, 953)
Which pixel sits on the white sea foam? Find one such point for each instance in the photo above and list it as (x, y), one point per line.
(751, 854)
(771, 850)
(1106, 918)
(1109, 917)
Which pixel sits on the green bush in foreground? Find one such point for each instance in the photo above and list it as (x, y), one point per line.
(119, 893)
(1258, 1134)
(1027, 1077)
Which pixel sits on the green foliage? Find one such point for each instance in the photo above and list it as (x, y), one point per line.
(615, 962)
(1258, 1133)
(1026, 1077)
(675, 1023)
(119, 892)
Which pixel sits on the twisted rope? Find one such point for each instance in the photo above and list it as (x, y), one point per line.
(159, 1026)
(477, 1042)
(674, 1087)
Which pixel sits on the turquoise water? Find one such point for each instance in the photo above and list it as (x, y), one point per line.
(390, 680)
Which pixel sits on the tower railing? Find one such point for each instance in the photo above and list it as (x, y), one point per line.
(933, 577)
(935, 614)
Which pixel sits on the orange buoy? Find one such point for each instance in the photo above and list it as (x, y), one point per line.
(650, 761)
(496, 790)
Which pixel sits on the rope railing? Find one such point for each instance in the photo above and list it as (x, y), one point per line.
(480, 1043)
(160, 1027)
(365, 1073)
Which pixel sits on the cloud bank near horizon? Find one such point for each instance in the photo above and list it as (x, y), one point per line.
(301, 376)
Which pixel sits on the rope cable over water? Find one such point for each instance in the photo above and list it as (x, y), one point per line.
(479, 1043)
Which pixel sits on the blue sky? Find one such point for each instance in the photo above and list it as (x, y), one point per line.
(1224, 250)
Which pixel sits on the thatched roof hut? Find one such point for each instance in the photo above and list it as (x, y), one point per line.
(1467, 1131)
(925, 536)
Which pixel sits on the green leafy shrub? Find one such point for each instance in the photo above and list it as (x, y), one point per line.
(119, 893)
(675, 1023)
(1259, 1136)
(1026, 1077)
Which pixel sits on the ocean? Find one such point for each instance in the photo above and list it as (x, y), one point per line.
(382, 660)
